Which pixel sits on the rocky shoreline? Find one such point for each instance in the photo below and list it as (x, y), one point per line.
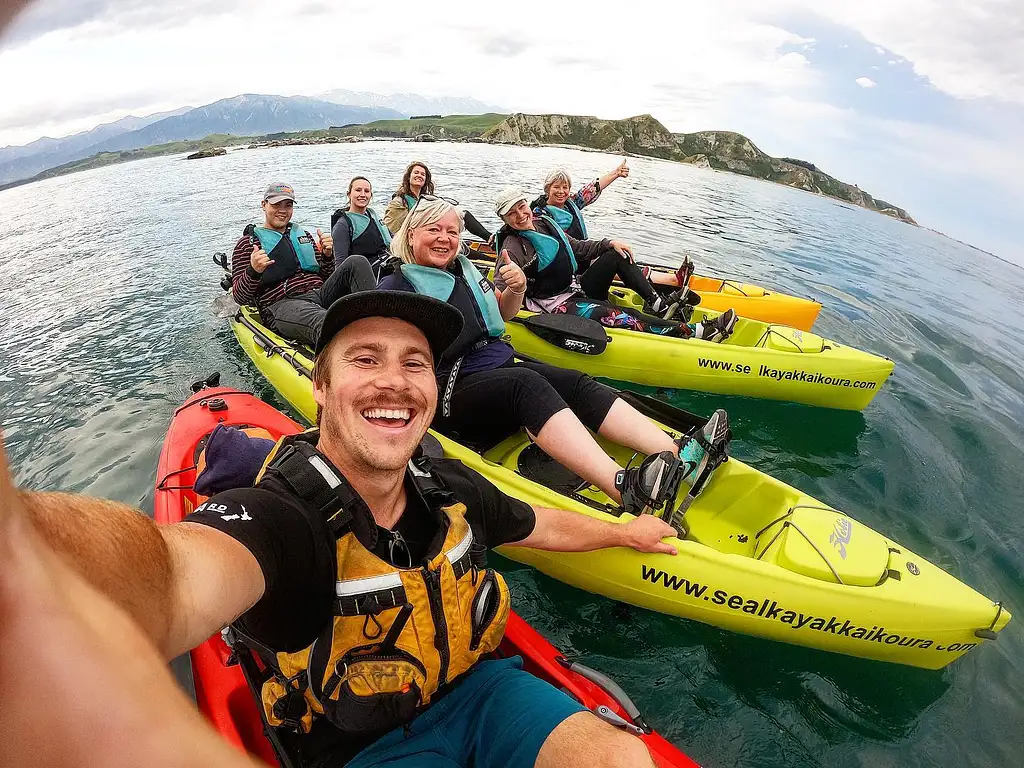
(640, 136)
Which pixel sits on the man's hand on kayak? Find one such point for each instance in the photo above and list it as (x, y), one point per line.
(645, 534)
(559, 530)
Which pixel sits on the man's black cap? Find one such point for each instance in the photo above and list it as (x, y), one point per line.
(440, 322)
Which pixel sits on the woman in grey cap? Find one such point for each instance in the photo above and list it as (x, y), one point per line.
(566, 275)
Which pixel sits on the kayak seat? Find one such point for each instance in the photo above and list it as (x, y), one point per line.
(824, 544)
(785, 339)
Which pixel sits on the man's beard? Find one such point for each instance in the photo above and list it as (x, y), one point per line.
(356, 448)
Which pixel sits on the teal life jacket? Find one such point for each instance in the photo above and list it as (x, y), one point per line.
(410, 201)
(360, 223)
(469, 292)
(292, 252)
(372, 242)
(552, 272)
(569, 219)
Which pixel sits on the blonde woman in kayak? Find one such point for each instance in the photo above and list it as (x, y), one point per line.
(566, 208)
(487, 395)
(416, 183)
(570, 276)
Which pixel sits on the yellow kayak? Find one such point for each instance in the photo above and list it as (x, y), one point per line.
(719, 295)
(758, 360)
(759, 556)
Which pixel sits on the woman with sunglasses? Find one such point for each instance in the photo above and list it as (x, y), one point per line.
(487, 395)
(357, 230)
(417, 182)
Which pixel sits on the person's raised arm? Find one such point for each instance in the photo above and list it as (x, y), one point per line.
(81, 676)
(559, 530)
(621, 171)
(513, 281)
(248, 262)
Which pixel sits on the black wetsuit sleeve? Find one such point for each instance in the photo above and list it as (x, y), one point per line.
(495, 518)
(587, 251)
(296, 555)
(474, 227)
(342, 236)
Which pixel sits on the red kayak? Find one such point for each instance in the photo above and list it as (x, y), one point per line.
(226, 676)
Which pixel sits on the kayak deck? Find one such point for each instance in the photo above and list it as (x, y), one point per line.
(759, 359)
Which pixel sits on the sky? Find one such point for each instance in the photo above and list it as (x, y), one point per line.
(919, 102)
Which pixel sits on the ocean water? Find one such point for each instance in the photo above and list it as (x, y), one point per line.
(107, 312)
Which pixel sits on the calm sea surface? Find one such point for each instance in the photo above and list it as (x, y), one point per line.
(107, 313)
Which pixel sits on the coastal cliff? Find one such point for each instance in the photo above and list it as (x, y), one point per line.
(720, 150)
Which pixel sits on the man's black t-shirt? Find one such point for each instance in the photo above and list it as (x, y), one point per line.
(295, 548)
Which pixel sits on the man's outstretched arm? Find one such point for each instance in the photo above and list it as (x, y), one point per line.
(83, 684)
(179, 583)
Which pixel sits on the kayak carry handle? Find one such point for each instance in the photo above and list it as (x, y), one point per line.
(612, 688)
(211, 381)
(990, 633)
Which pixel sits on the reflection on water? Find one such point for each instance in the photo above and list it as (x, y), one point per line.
(109, 308)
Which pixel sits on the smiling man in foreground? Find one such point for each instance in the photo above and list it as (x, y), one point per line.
(356, 567)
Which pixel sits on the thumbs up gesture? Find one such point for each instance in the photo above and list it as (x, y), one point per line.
(623, 170)
(511, 273)
(326, 242)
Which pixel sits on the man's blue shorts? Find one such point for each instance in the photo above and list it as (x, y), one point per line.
(497, 716)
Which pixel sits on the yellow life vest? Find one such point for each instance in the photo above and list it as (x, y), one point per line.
(397, 634)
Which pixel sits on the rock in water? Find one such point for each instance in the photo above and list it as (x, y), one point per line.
(216, 152)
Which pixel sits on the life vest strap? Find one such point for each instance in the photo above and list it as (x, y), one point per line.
(312, 480)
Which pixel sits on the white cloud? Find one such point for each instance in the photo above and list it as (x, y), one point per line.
(162, 60)
(732, 65)
(865, 82)
(966, 48)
